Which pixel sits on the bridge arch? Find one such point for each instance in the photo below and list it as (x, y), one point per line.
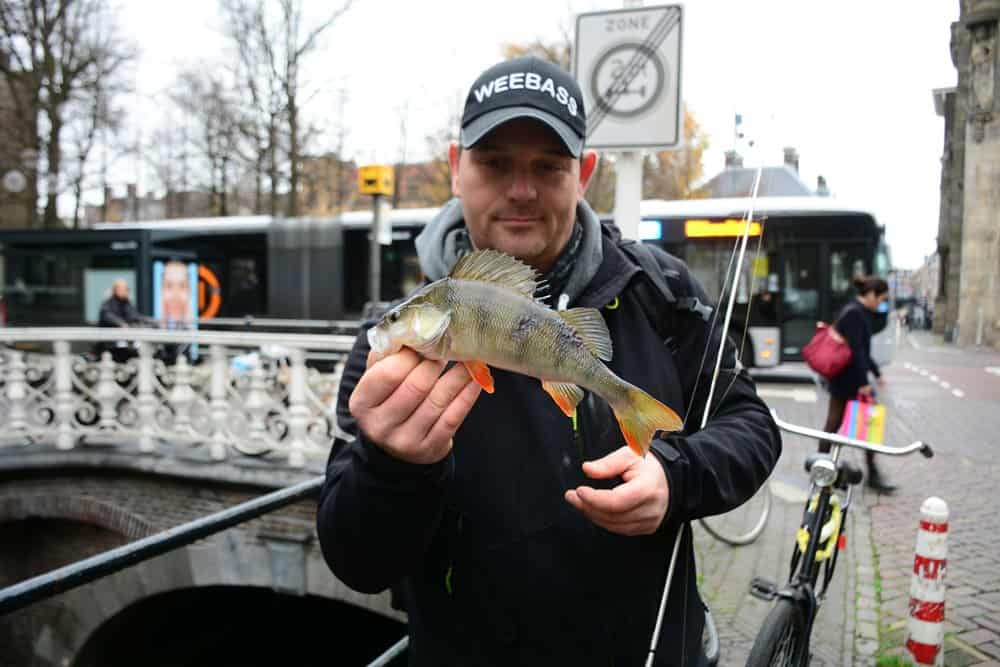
(275, 558)
(238, 625)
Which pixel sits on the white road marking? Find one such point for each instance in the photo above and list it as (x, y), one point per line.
(958, 393)
(797, 395)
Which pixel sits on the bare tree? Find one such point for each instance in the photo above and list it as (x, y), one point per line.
(256, 73)
(167, 153)
(208, 101)
(278, 46)
(56, 52)
(399, 172)
(86, 125)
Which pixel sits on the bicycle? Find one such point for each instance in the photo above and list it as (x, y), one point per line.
(784, 636)
(743, 525)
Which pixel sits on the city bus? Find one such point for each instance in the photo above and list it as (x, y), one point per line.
(810, 248)
(801, 258)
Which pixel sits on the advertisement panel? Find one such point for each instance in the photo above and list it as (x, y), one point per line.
(175, 299)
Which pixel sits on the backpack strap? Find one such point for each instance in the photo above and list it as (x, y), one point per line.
(663, 295)
(643, 256)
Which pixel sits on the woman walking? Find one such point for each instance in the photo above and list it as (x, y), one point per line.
(854, 324)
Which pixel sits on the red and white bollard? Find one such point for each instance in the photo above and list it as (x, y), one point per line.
(925, 630)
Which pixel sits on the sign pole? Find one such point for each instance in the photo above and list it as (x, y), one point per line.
(628, 192)
(628, 181)
(375, 252)
(376, 180)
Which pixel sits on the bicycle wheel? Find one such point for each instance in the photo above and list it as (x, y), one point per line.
(781, 639)
(744, 524)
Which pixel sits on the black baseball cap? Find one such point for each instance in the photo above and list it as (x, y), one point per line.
(525, 87)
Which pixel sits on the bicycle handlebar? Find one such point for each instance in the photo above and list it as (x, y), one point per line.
(917, 446)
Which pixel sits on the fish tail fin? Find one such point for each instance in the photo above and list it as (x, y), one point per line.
(640, 416)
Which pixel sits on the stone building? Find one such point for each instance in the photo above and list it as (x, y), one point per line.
(968, 301)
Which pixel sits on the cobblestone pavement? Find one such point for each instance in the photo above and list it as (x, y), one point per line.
(949, 397)
(944, 395)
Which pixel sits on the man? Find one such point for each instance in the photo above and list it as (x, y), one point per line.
(117, 310)
(511, 534)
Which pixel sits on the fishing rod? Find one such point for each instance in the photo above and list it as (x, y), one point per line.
(742, 245)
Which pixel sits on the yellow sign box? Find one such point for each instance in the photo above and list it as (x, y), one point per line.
(375, 179)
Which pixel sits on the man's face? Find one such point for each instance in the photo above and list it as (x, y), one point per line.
(120, 290)
(519, 191)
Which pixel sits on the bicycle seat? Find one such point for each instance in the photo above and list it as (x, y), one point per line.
(848, 474)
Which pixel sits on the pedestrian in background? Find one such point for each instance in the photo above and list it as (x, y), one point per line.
(854, 324)
(117, 310)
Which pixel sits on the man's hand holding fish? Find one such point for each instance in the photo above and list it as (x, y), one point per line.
(406, 405)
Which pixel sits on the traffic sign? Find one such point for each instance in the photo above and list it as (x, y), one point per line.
(628, 64)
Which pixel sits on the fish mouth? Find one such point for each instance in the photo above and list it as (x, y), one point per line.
(378, 341)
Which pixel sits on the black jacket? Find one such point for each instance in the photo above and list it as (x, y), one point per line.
(490, 562)
(854, 323)
(116, 312)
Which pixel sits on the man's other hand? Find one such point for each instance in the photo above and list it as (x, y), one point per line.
(406, 407)
(637, 506)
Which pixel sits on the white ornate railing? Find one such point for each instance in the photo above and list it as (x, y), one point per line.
(249, 394)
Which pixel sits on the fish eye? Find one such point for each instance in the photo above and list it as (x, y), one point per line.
(394, 316)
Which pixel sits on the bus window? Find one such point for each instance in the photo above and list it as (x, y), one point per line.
(847, 261)
(708, 261)
(882, 264)
(799, 296)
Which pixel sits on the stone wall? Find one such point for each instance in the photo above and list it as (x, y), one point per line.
(967, 310)
(50, 520)
(979, 291)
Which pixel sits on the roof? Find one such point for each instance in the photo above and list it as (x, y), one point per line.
(780, 181)
(250, 223)
(737, 207)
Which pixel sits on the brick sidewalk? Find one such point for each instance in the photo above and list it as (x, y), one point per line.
(965, 472)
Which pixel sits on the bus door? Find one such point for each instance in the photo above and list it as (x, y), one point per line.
(846, 260)
(800, 296)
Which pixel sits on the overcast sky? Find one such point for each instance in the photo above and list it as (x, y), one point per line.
(848, 84)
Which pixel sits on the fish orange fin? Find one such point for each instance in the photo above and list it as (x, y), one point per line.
(567, 396)
(589, 325)
(641, 416)
(480, 372)
(493, 266)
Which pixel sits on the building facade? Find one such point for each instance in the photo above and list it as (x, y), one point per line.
(967, 310)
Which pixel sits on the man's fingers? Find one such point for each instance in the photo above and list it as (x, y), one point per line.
(612, 465)
(619, 500)
(456, 412)
(637, 522)
(443, 393)
(388, 376)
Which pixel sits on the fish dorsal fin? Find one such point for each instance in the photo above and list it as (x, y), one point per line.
(492, 266)
(590, 326)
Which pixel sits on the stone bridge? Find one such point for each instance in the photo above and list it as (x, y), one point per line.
(95, 454)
